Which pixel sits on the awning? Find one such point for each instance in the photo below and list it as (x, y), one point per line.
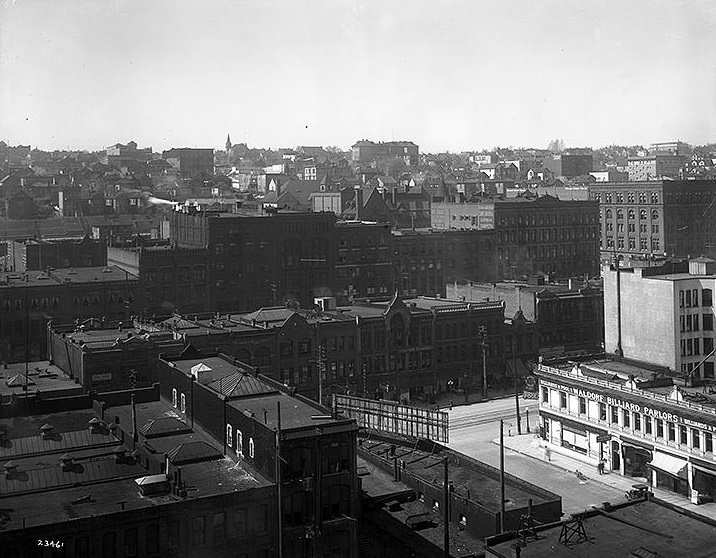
(669, 464)
(636, 443)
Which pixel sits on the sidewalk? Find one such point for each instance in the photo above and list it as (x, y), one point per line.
(532, 446)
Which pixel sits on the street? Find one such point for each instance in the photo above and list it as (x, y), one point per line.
(474, 428)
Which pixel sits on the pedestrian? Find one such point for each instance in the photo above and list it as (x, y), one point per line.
(547, 454)
(450, 403)
(600, 467)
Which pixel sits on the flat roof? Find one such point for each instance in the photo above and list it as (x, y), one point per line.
(42, 377)
(646, 527)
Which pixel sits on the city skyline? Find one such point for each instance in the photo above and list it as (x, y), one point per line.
(450, 76)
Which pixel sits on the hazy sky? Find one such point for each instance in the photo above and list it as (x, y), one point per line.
(449, 75)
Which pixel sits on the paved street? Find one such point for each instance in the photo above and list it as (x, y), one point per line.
(474, 428)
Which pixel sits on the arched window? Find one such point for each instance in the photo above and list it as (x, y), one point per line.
(654, 214)
(642, 214)
(620, 214)
(229, 435)
(174, 397)
(251, 448)
(239, 443)
(183, 403)
(609, 213)
(632, 214)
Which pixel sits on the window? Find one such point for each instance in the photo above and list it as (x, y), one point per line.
(642, 215)
(683, 438)
(545, 395)
(631, 214)
(183, 403)
(647, 425)
(695, 438)
(219, 527)
(130, 542)
(602, 411)
(709, 443)
(239, 443)
(695, 297)
(173, 535)
(304, 346)
(251, 448)
(614, 414)
(672, 432)
(174, 397)
(109, 545)
(706, 297)
(625, 418)
(240, 523)
(198, 530)
(609, 214)
(151, 538)
(229, 436)
(260, 518)
(654, 215)
(637, 421)
(620, 214)
(582, 406)
(659, 428)
(681, 299)
(562, 400)
(687, 293)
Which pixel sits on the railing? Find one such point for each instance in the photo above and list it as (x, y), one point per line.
(638, 392)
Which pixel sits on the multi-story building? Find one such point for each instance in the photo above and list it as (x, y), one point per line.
(119, 155)
(364, 263)
(128, 480)
(675, 217)
(302, 449)
(532, 235)
(170, 279)
(641, 422)
(401, 349)
(655, 166)
(673, 147)
(569, 318)
(663, 315)
(570, 164)
(425, 260)
(28, 300)
(103, 359)
(37, 254)
(191, 162)
(365, 151)
(261, 260)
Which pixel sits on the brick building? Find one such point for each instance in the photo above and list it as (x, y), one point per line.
(367, 151)
(37, 254)
(29, 300)
(532, 235)
(675, 217)
(655, 166)
(261, 260)
(290, 440)
(569, 318)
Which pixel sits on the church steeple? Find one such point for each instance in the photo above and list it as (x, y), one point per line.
(228, 142)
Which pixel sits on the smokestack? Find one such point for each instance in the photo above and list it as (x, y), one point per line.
(359, 203)
(620, 351)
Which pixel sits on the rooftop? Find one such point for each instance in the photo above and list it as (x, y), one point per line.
(641, 529)
(42, 377)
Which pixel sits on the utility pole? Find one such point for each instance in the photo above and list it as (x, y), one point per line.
(446, 511)
(502, 476)
(514, 369)
(482, 334)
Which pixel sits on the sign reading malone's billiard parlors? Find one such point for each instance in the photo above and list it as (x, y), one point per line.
(629, 405)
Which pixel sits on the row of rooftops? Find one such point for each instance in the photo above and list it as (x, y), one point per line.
(84, 463)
